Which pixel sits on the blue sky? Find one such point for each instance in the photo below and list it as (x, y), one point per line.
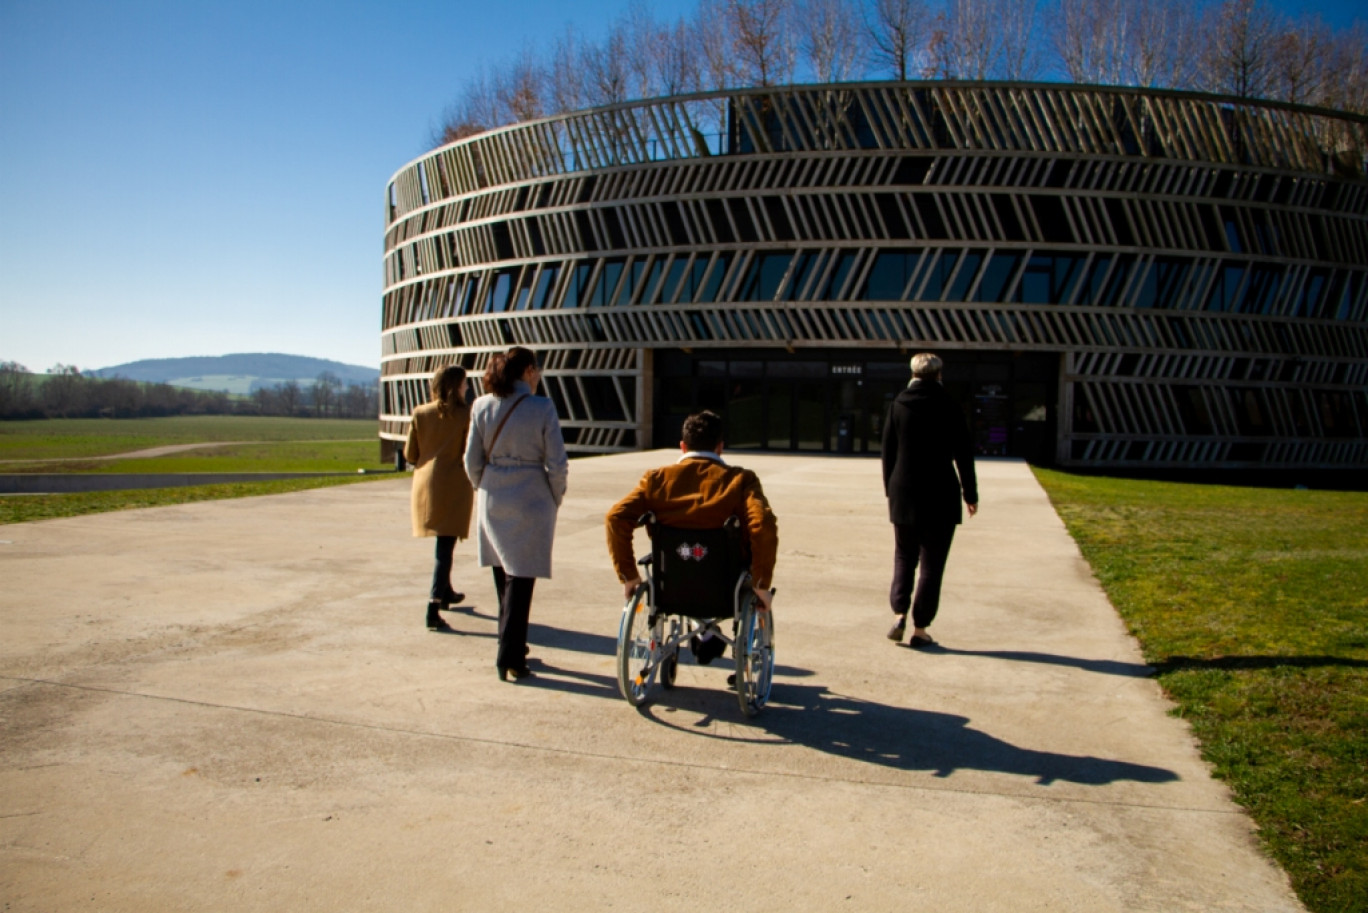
(200, 178)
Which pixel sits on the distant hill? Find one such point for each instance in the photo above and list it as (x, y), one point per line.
(239, 374)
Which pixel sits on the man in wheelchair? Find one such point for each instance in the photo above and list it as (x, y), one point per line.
(698, 492)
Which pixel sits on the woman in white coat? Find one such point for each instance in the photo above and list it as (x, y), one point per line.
(515, 457)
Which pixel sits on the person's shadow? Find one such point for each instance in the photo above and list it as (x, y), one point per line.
(896, 737)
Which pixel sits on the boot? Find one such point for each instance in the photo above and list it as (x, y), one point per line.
(434, 619)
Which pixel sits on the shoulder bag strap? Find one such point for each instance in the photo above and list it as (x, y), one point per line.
(503, 421)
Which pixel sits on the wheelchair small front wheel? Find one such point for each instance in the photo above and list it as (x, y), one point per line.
(754, 655)
(668, 668)
(638, 651)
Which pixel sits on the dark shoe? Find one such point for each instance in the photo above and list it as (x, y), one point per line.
(435, 623)
(919, 641)
(896, 632)
(518, 674)
(707, 649)
(446, 602)
(731, 681)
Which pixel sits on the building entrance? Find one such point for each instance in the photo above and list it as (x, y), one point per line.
(837, 402)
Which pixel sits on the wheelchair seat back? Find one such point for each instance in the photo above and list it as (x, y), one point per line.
(695, 570)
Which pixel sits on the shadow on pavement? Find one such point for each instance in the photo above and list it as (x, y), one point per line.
(1103, 666)
(896, 737)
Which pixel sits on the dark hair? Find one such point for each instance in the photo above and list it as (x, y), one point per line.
(702, 431)
(507, 369)
(444, 384)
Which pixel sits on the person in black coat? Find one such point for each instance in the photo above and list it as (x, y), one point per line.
(928, 466)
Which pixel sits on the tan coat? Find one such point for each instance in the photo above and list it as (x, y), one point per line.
(442, 493)
(697, 492)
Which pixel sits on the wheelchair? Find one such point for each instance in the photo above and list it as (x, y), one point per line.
(694, 580)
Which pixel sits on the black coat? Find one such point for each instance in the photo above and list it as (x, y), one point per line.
(925, 440)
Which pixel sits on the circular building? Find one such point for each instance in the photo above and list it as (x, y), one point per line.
(1114, 277)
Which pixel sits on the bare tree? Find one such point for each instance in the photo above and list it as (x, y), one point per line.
(289, 395)
(518, 88)
(16, 389)
(1013, 24)
(1091, 38)
(1347, 59)
(712, 31)
(1299, 62)
(830, 37)
(677, 67)
(476, 110)
(898, 30)
(639, 29)
(605, 68)
(970, 47)
(63, 392)
(1164, 44)
(323, 392)
(1238, 57)
(565, 90)
(763, 46)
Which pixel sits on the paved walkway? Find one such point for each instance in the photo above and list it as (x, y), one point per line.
(234, 706)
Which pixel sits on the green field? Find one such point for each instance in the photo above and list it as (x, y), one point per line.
(1252, 605)
(76, 438)
(273, 445)
(26, 508)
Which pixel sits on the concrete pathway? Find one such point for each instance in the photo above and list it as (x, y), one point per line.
(234, 705)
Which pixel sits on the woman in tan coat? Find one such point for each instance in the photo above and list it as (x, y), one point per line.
(442, 493)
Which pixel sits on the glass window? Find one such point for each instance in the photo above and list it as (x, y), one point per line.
(888, 276)
(934, 286)
(844, 261)
(802, 273)
(545, 281)
(603, 399)
(996, 275)
(497, 301)
(1092, 289)
(651, 288)
(1034, 287)
(745, 415)
(525, 279)
(763, 277)
(721, 263)
(969, 264)
(607, 283)
(674, 276)
(574, 291)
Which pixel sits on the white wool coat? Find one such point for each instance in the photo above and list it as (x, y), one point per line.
(520, 483)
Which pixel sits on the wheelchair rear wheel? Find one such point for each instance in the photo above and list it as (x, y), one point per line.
(754, 654)
(638, 650)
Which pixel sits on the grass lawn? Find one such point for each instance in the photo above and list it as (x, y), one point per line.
(288, 456)
(1252, 604)
(278, 445)
(74, 438)
(23, 508)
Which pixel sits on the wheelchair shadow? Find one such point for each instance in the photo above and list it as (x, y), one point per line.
(1100, 666)
(897, 737)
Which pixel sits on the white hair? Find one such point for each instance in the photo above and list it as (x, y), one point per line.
(924, 364)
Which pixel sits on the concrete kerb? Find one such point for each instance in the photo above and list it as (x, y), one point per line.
(234, 704)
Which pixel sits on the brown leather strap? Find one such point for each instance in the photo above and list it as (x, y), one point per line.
(503, 421)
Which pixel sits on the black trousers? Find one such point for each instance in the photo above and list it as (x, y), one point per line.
(926, 550)
(515, 606)
(441, 573)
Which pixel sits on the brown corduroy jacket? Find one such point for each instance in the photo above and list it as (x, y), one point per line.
(696, 493)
